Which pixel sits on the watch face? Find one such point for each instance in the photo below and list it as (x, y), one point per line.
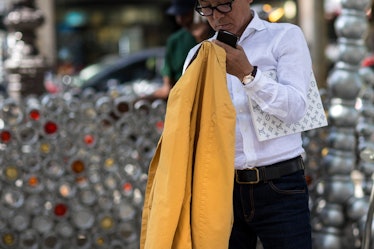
(248, 79)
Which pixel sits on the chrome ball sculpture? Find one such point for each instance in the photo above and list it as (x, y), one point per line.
(337, 188)
(73, 171)
(24, 66)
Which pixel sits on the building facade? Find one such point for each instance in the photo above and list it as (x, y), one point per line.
(77, 33)
(84, 31)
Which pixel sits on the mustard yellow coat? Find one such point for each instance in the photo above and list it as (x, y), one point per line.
(188, 200)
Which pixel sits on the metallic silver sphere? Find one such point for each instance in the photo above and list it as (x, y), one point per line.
(328, 238)
(355, 4)
(340, 139)
(357, 208)
(344, 81)
(351, 24)
(336, 189)
(343, 116)
(337, 163)
(367, 75)
(331, 214)
(351, 51)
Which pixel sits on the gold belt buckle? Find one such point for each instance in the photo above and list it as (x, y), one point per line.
(250, 182)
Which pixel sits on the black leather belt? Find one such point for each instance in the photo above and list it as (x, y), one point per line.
(270, 172)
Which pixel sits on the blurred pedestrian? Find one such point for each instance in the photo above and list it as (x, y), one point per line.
(192, 31)
(271, 66)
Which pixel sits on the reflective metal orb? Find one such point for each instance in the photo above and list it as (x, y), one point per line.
(344, 82)
(355, 4)
(351, 23)
(351, 51)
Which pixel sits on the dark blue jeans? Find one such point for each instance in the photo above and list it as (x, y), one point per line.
(276, 212)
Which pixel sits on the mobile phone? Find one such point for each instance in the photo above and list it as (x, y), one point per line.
(227, 37)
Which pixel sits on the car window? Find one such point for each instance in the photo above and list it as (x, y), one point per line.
(141, 70)
(144, 65)
(148, 69)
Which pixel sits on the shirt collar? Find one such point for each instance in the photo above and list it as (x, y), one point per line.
(255, 24)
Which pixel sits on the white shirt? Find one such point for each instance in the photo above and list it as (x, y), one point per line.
(280, 49)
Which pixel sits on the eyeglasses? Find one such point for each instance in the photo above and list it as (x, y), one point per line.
(208, 10)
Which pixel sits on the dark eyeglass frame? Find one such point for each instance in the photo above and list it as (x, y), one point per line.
(199, 8)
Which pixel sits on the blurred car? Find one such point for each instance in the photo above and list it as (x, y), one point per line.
(140, 71)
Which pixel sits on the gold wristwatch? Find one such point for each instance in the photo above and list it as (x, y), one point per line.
(250, 77)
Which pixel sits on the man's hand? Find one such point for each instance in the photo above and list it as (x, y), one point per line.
(237, 63)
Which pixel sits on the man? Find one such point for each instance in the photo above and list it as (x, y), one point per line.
(179, 43)
(271, 66)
